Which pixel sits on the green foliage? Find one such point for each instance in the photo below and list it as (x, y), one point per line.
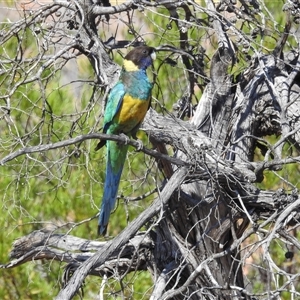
(284, 177)
(59, 188)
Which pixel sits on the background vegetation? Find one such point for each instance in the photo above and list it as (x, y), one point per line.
(48, 97)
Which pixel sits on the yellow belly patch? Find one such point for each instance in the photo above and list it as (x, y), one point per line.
(131, 113)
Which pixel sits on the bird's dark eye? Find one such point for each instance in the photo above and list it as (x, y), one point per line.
(144, 51)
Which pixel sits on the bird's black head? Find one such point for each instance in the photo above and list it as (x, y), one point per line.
(140, 57)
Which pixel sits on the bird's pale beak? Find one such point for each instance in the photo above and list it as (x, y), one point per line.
(153, 55)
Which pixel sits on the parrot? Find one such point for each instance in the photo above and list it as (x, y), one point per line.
(127, 104)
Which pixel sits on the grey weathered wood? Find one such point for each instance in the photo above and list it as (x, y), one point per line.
(101, 256)
(208, 165)
(74, 251)
(209, 204)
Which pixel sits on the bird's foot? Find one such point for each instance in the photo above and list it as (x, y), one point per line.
(140, 145)
(124, 136)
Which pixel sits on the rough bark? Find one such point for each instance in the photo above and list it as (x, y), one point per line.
(209, 203)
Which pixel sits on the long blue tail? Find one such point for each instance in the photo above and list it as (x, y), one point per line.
(116, 155)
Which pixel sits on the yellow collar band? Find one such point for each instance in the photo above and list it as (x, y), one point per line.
(129, 66)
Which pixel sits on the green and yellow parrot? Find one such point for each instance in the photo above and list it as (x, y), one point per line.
(126, 107)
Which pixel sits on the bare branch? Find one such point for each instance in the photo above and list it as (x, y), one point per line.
(101, 256)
